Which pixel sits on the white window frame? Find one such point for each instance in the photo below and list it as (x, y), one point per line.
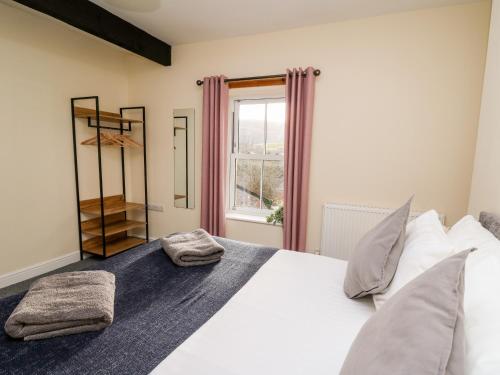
(232, 156)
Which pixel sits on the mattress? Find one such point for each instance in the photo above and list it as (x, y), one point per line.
(291, 317)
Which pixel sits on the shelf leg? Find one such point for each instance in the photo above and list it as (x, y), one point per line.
(145, 172)
(75, 158)
(101, 193)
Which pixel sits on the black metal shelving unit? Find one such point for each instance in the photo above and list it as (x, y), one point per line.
(108, 227)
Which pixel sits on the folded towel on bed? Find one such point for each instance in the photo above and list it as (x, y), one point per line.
(195, 248)
(64, 304)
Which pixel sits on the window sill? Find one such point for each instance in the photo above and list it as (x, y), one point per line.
(249, 218)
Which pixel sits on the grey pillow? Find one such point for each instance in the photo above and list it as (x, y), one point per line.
(419, 330)
(373, 263)
(491, 222)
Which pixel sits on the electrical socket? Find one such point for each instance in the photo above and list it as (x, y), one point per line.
(155, 207)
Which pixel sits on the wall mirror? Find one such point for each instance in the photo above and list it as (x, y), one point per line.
(183, 158)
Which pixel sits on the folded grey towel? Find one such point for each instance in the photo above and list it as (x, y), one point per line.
(64, 304)
(195, 248)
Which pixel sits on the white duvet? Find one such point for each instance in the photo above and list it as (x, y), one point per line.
(292, 317)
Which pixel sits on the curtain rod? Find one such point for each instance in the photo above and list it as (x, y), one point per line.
(316, 73)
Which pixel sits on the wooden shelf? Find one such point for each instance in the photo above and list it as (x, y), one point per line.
(112, 205)
(116, 226)
(126, 206)
(94, 245)
(104, 116)
(94, 228)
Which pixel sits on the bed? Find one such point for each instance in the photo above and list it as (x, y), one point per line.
(259, 310)
(292, 317)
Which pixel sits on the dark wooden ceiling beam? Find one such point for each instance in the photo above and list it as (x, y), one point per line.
(97, 21)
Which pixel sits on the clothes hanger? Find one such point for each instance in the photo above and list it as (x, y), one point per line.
(111, 139)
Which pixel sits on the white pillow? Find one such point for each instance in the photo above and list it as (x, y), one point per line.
(468, 232)
(426, 244)
(481, 303)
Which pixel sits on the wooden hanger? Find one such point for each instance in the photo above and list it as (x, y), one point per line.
(111, 139)
(127, 140)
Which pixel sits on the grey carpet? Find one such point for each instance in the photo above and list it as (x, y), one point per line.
(158, 305)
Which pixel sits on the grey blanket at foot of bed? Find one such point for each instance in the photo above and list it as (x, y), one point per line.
(158, 305)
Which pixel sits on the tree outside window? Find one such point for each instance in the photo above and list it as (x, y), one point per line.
(257, 149)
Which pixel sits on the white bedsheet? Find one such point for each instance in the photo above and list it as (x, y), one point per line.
(292, 317)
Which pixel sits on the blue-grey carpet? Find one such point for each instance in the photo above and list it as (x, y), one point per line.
(157, 306)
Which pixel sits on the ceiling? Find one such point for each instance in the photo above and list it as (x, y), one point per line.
(188, 21)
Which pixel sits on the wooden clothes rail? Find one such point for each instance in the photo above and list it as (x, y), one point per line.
(258, 81)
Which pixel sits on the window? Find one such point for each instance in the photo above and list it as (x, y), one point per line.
(257, 148)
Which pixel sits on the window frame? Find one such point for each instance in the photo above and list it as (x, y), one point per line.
(234, 156)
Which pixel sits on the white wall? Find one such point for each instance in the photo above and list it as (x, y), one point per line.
(397, 107)
(485, 192)
(43, 64)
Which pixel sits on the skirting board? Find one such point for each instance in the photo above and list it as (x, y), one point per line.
(38, 269)
(43, 267)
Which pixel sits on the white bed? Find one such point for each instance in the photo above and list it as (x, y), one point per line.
(292, 317)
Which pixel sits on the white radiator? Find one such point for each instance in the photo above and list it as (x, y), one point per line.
(344, 225)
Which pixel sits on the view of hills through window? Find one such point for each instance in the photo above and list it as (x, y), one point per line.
(257, 157)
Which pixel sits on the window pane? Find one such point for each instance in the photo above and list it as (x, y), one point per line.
(275, 128)
(247, 186)
(272, 185)
(251, 128)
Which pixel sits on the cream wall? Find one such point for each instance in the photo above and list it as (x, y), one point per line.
(43, 64)
(485, 192)
(396, 113)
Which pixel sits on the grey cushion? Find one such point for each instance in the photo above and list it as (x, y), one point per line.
(373, 263)
(491, 222)
(418, 331)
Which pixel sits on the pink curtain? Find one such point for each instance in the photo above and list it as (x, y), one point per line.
(213, 177)
(298, 132)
